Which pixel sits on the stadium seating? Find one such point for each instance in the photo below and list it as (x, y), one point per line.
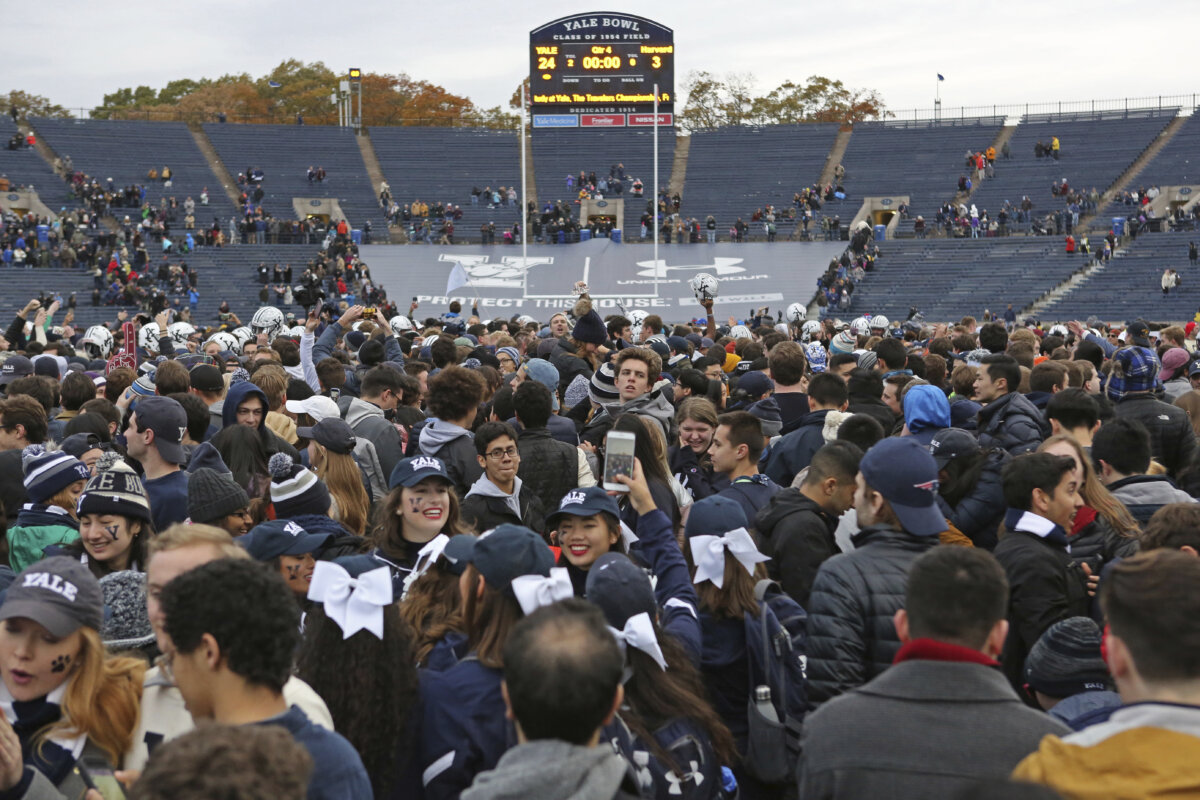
(1172, 166)
(733, 171)
(444, 164)
(1130, 285)
(947, 278)
(561, 152)
(1095, 150)
(126, 150)
(27, 168)
(285, 152)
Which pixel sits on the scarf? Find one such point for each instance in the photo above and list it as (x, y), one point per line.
(933, 650)
(58, 753)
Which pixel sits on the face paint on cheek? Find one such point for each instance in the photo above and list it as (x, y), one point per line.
(414, 505)
(293, 571)
(60, 664)
(112, 531)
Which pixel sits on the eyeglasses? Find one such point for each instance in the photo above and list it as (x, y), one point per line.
(500, 455)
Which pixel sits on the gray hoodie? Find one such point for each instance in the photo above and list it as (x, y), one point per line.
(367, 422)
(485, 487)
(548, 769)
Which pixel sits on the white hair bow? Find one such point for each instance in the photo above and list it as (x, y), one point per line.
(534, 591)
(627, 535)
(355, 604)
(708, 553)
(426, 557)
(639, 634)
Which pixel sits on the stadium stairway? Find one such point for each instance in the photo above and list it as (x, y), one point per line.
(1109, 206)
(375, 172)
(219, 170)
(683, 146)
(836, 154)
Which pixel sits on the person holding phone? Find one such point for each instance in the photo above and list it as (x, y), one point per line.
(64, 701)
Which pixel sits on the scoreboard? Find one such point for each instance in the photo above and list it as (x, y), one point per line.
(600, 69)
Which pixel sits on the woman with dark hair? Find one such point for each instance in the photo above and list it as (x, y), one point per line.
(115, 523)
(1104, 525)
(367, 676)
(648, 450)
(242, 450)
(688, 459)
(970, 491)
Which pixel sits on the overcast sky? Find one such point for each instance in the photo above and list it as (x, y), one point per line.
(995, 53)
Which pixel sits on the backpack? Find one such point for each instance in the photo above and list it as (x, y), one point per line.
(777, 644)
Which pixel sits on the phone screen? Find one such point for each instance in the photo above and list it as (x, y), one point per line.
(618, 459)
(99, 776)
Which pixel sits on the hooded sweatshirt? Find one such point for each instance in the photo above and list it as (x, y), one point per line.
(368, 422)
(455, 446)
(237, 394)
(926, 411)
(548, 769)
(486, 488)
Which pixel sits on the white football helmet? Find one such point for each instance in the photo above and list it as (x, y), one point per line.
(400, 324)
(879, 322)
(243, 335)
(1059, 330)
(795, 313)
(525, 319)
(296, 331)
(226, 341)
(637, 318)
(810, 329)
(704, 286)
(97, 342)
(147, 337)
(180, 332)
(860, 326)
(739, 332)
(268, 320)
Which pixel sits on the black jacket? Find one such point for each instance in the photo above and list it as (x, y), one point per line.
(568, 364)
(482, 513)
(699, 480)
(875, 408)
(549, 467)
(798, 536)
(1012, 423)
(851, 634)
(1045, 586)
(979, 514)
(795, 450)
(1172, 440)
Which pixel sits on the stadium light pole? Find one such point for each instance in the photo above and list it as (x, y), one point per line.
(654, 204)
(524, 204)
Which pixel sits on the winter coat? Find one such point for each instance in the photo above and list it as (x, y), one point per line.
(1045, 586)
(795, 450)
(368, 422)
(1172, 439)
(798, 536)
(922, 729)
(1011, 423)
(701, 482)
(1145, 494)
(1086, 708)
(568, 364)
(851, 634)
(652, 404)
(455, 446)
(549, 468)
(875, 408)
(37, 527)
(485, 507)
(343, 542)
(979, 514)
(272, 443)
(751, 493)
(963, 413)
(1098, 538)
(549, 769)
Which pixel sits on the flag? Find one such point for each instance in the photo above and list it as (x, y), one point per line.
(941, 77)
(458, 278)
(277, 84)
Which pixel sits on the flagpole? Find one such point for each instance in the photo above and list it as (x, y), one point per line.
(524, 204)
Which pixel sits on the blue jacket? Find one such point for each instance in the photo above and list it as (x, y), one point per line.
(673, 591)
(752, 493)
(795, 450)
(963, 412)
(979, 514)
(463, 730)
(338, 772)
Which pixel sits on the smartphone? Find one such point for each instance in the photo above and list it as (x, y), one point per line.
(618, 459)
(369, 312)
(98, 774)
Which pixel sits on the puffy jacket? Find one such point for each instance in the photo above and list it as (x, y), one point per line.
(963, 413)
(795, 450)
(549, 468)
(368, 422)
(1012, 423)
(38, 527)
(851, 634)
(237, 393)
(1145, 494)
(1099, 538)
(700, 481)
(1045, 586)
(979, 514)
(1172, 439)
(798, 535)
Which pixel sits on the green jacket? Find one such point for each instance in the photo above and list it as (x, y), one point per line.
(37, 528)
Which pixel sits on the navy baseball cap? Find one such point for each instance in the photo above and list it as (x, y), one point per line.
(951, 443)
(678, 344)
(15, 367)
(904, 472)
(411, 471)
(279, 537)
(458, 553)
(715, 516)
(755, 384)
(332, 433)
(507, 553)
(620, 588)
(587, 501)
(168, 420)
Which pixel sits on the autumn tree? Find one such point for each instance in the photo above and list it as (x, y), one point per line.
(33, 105)
(715, 102)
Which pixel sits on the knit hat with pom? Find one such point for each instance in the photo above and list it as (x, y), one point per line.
(47, 474)
(295, 490)
(115, 489)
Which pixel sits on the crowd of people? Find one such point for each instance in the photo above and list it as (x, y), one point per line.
(597, 556)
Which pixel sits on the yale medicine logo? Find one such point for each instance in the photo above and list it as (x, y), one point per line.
(424, 462)
(55, 583)
(508, 274)
(572, 498)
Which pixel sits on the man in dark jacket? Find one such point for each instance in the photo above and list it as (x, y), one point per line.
(499, 496)
(792, 453)
(1121, 454)
(549, 468)
(1007, 420)
(787, 364)
(943, 718)
(246, 404)
(796, 529)
(736, 448)
(851, 637)
(865, 396)
(1135, 375)
(454, 397)
(1045, 585)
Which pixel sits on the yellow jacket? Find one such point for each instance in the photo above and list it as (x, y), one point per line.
(1146, 750)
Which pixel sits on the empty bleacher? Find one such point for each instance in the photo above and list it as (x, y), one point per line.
(445, 164)
(285, 152)
(1095, 150)
(126, 150)
(561, 152)
(26, 167)
(947, 278)
(733, 171)
(1130, 286)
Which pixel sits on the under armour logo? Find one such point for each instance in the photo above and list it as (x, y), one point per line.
(573, 498)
